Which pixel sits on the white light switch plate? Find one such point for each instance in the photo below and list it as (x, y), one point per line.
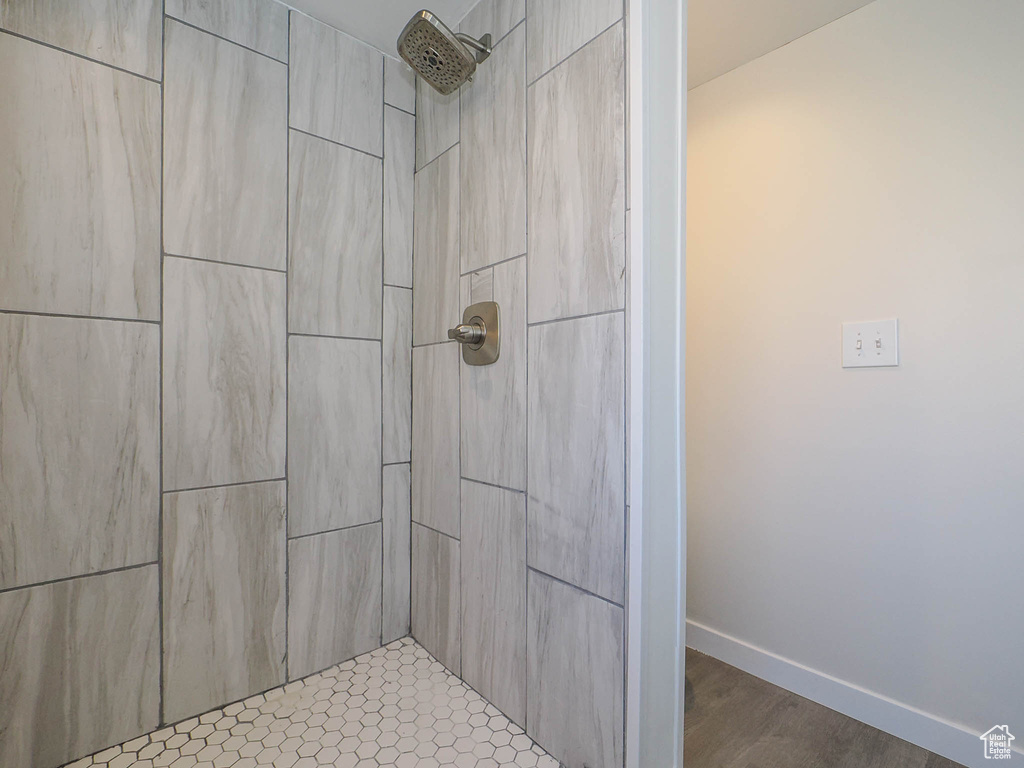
(871, 345)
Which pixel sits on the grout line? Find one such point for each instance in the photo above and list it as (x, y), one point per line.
(439, 533)
(160, 500)
(223, 485)
(81, 56)
(400, 109)
(490, 485)
(576, 317)
(526, 375)
(337, 143)
(225, 39)
(78, 576)
(458, 362)
(29, 313)
(403, 287)
(287, 321)
(383, 322)
(435, 159)
(328, 336)
(225, 263)
(434, 343)
(562, 61)
(574, 586)
(492, 265)
(333, 530)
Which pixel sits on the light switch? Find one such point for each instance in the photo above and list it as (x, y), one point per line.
(871, 345)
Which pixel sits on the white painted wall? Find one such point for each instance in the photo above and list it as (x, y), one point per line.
(865, 524)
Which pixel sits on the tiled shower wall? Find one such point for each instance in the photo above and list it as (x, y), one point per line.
(518, 471)
(205, 361)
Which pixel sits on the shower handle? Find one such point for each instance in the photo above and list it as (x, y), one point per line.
(479, 333)
(472, 333)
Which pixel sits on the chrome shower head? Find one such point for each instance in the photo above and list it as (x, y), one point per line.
(441, 57)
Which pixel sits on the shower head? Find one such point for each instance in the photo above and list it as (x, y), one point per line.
(441, 57)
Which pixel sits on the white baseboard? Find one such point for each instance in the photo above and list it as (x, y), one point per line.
(950, 740)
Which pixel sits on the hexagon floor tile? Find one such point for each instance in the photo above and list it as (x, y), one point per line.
(393, 706)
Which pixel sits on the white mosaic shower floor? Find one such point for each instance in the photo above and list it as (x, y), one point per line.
(393, 706)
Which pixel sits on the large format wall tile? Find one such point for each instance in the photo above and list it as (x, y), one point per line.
(577, 203)
(435, 437)
(435, 596)
(334, 597)
(337, 86)
(79, 446)
(436, 245)
(437, 122)
(399, 85)
(81, 666)
(80, 201)
(397, 552)
(494, 17)
(557, 28)
(397, 349)
(223, 374)
(258, 24)
(575, 688)
(493, 549)
(399, 167)
(223, 595)
(493, 157)
(335, 249)
(334, 434)
(577, 432)
(133, 42)
(493, 404)
(225, 151)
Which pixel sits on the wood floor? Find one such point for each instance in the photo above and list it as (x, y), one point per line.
(736, 720)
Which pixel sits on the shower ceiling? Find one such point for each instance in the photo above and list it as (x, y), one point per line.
(379, 22)
(725, 34)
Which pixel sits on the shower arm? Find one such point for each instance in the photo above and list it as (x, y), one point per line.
(481, 46)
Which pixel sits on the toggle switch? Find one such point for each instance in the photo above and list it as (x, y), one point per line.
(871, 345)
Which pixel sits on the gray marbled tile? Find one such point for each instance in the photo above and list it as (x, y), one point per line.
(223, 374)
(79, 446)
(124, 33)
(558, 28)
(399, 170)
(493, 549)
(494, 138)
(335, 240)
(577, 208)
(225, 151)
(436, 245)
(435, 596)
(397, 350)
(80, 205)
(336, 86)
(399, 84)
(576, 674)
(223, 595)
(493, 17)
(334, 604)
(334, 433)
(577, 432)
(258, 24)
(81, 666)
(435, 437)
(494, 396)
(397, 552)
(437, 122)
